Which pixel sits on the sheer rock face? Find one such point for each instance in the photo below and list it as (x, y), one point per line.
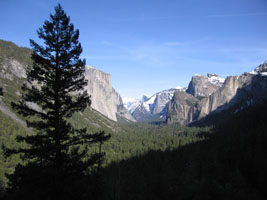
(161, 101)
(181, 108)
(202, 86)
(240, 91)
(104, 98)
(222, 98)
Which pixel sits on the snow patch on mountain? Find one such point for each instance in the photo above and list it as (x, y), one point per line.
(149, 103)
(181, 88)
(157, 104)
(131, 104)
(215, 79)
(261, 69)
(152, 105)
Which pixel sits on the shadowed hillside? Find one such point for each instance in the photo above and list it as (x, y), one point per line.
(230, 164)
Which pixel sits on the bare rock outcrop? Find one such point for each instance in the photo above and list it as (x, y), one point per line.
(104, 98)
(240, 91)
(203, 86)
(181, 108)
(11, 68)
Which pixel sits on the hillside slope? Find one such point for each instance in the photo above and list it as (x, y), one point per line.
(13, 63)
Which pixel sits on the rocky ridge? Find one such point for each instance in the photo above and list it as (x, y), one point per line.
(149, 108)
(240, 91)
(203, 86)
(156, 107)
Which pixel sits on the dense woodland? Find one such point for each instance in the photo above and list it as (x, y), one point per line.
(229, 162)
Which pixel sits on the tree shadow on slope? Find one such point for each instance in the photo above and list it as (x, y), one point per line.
(230, 164)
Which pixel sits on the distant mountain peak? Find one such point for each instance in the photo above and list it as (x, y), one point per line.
(181, 88)
(209, 75)
(204, 85)
(131, 104)
(261, 69)
(197, 75)
(149, 107)
(215, 79)
(144, 98)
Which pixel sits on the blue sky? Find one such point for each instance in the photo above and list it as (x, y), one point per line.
(151, 45)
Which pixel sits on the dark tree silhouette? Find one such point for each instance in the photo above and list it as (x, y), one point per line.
(57, 157)
(1, 91)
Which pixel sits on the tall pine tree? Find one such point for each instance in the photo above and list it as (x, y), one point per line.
(56, 164)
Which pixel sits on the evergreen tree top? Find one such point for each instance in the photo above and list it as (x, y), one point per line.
(61, 42)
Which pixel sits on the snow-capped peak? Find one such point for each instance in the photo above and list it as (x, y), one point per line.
(261, 69)
(215, 79)
(212, 78)
(150, 101)
(145, 98)
(158, 100)
(181, 88)
(128, 100)
(130, 103)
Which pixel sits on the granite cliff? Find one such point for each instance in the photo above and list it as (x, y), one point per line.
(181, 108)
(203, 86)
(239, 91)
(104, 97)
